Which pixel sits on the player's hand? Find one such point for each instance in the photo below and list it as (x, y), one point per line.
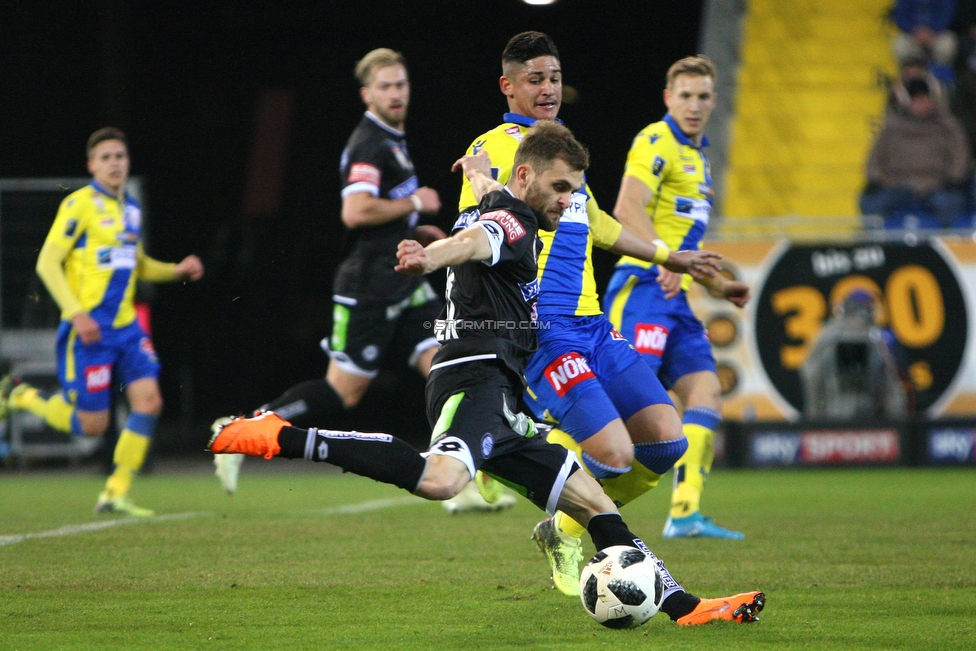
(736, 292)
(413, 259)
(428, 233)
(429, 199)
(87, 328)
(190, 268)
(472, 164)
(700, 264)
(669, 281)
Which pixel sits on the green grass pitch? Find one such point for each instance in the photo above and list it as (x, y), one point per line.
(849, 559)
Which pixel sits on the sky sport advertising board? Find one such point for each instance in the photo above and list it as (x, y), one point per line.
(786, 447)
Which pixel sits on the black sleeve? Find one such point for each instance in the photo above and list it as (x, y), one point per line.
(363, 163)
(508, 230)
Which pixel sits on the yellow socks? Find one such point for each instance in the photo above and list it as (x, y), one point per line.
(693, 467)
(55, 411)
(130, 453)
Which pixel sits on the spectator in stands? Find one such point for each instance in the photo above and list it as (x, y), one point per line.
(924, 30)
(916, 68)
(920, 161)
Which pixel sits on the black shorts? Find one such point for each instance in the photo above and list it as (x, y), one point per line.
(364, 335)
(470, 409)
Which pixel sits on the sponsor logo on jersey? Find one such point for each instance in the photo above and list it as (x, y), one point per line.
(655, 137)
(70, 228)
(690, 168)
(657, 166)
(465, 219)
(107, 222)
(98, 377)
(567, 371)
(512, 226)
(530, 291)
(133, 218)
(513, 131)
(650, 338)
(616, 335)
(364, 173)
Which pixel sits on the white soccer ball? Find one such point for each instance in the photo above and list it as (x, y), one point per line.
(620, 587)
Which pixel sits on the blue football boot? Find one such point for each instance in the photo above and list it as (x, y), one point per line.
(697, 526)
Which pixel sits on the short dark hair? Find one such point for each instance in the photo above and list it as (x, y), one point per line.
(547, 142)
(103, 134)
(527, 46)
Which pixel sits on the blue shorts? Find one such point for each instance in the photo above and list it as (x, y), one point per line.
(86, 372)
(665, 332)
(585, 375)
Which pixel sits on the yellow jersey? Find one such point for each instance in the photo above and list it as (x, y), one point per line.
(103, 238)
(566, 283)
(678, 174)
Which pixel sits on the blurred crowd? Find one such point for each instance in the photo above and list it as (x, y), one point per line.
(921, 164)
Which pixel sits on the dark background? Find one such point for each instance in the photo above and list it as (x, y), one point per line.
(184, 81)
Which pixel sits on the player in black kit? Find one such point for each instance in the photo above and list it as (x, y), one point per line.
(473, 391)
(377, 313)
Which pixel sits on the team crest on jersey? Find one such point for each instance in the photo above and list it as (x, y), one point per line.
(530, 291)
(99, 203)
(567, 371)
(98, 377)
(401, 155)
(658, 166)
(510, 224)
(364, 173)
(650, 338)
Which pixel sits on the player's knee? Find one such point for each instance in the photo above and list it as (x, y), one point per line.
(610, 463)
(150, 403)
(442, 482)
(93, 423)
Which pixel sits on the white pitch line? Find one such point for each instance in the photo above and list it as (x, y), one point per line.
(374, 505)
(73, 529)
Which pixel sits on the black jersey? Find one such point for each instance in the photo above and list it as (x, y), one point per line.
(376, 161)
(491, 305)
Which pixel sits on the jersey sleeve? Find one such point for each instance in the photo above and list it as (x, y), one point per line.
(69, 224)
(507, 235)
(361, 169)
(647, 159)
(604, 228)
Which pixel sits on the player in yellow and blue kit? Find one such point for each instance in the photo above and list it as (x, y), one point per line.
(89, 263)
(611, 408)
(666, 196)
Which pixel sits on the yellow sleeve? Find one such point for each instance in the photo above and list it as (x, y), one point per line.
(647, 158)
(604, 228)
(153, 270)
(50, 269)
(68, 226)
(501, 148)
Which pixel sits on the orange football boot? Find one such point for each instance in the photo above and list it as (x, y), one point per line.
(742, 608)
(255, 437)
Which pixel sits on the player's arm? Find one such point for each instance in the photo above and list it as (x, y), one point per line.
(734, 291)
(477, 170)
(361, 209)
(156, 271)
(631, 208)
(50, 269)
(470, 244)
(700, 264)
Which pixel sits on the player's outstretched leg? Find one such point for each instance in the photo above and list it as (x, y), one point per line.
(742, 608)
(227, 467)
(564, 552)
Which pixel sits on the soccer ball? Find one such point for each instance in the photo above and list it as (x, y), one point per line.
(620, 587)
